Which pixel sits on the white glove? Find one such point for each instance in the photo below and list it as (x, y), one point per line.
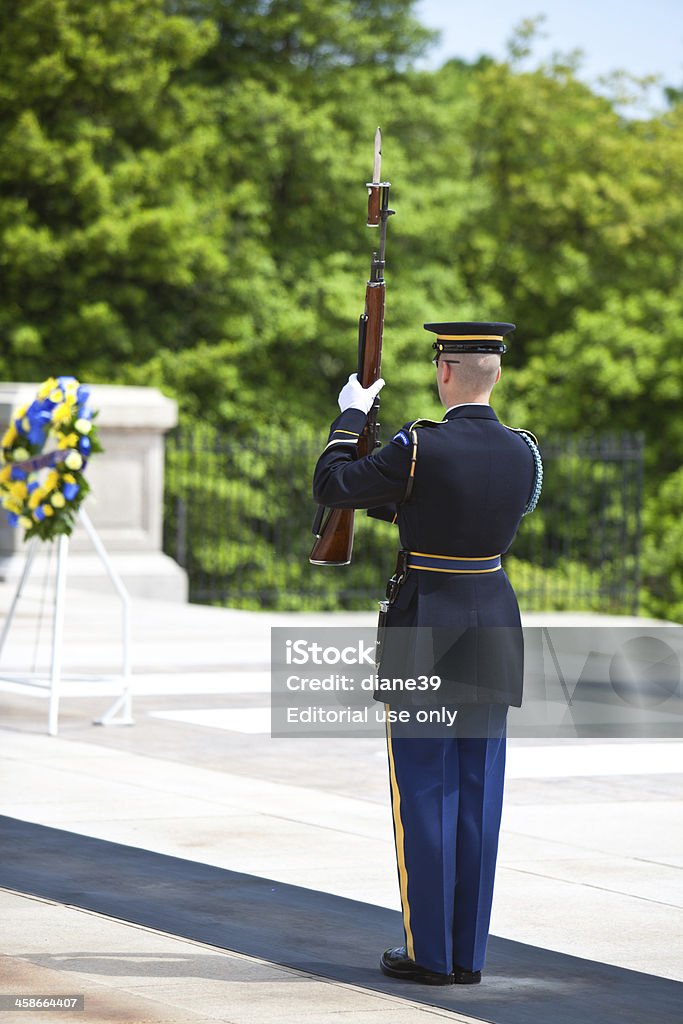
(353, 396)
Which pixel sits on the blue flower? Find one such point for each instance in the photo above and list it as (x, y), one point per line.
(84, 445)
(82, 396)
(39, 514)
(38, 418)
(12, 518)
(70, 491)
(39, 428)
(39, 406)
(17, 474)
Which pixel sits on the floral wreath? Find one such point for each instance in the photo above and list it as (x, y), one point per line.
(47, 507)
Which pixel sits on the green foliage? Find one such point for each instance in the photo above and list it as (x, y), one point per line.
(182, 204)
(570, 585)
(104, 185)
(663, 550)
(238, 515)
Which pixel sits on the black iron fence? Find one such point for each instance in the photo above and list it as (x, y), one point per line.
(238, 515)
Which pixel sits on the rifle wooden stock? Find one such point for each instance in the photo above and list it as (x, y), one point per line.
(335, 542)
(334, 533)
(371, 361)
(374, 204)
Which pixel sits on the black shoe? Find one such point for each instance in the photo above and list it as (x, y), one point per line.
(463, 977)
(397, 964)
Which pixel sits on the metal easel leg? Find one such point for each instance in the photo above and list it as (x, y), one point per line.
(30, 555)
(121, 711)
(57, 635)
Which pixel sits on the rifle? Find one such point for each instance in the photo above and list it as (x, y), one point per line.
(334, 532)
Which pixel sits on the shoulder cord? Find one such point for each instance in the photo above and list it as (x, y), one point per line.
(538, 478)
(413, 461)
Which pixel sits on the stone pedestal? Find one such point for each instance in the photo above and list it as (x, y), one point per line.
(126, 502)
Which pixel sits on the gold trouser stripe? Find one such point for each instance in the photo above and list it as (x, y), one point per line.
(469, 337)
(400, 843)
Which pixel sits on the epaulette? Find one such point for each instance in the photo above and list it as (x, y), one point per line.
(403, 436)
(532, 443)
(426, 423)
(523, 430)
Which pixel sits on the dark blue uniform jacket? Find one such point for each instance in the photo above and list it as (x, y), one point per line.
(473, 477)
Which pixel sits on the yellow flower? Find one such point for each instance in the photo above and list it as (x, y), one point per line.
(48, 511)
(47, 387)
(83, 426)
(68, 440)
(5, 473)
(62, 413)
(19, 490)
(19, 454)
(57, 395)
(25, 522)
(26, 424)
(58, 500)
(73, 460)
(36, 497)
(69, 478)
(51, 480)
(10, 436)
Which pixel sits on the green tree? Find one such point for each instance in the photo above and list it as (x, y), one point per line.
(112, 234)
(182, 204)
(301, 89)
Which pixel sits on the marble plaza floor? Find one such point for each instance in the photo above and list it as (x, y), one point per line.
(591, 854)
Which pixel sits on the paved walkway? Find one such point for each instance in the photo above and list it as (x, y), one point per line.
(591, 846)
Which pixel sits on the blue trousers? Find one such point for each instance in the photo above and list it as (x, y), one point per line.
(447, 796)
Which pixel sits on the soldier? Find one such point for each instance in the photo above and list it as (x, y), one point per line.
(457, 488)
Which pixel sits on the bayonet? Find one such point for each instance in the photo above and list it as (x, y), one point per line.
(378, 158)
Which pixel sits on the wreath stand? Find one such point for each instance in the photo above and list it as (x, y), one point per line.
(120, 712)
